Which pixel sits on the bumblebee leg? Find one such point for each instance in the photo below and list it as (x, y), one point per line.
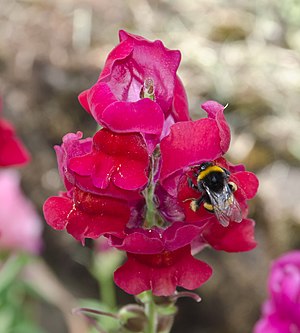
(195, 204)
(232, 186)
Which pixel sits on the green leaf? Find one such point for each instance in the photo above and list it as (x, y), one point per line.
(6, 319)
(27, 327)
(11, 269)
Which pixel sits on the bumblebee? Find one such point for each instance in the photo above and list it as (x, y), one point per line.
(217, 193)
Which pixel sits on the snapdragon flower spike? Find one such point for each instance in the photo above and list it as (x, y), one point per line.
(160, 260)
(119, 158)
(12, 151)
(119, 101)
(86, 215)
(280, 313)
(190, 143)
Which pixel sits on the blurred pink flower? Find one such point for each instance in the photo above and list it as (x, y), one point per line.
(20, 225)
(12, 151)
(281, 312)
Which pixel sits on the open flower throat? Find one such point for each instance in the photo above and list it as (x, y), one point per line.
(151, 180)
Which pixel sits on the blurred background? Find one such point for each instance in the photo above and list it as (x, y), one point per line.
(244, 53)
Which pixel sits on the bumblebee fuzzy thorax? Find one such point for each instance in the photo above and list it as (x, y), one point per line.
(213, 177)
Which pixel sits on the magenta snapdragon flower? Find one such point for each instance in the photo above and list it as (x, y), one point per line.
(133, 181)
(85, 209)
(281, 312)
(160, 260)
(124, 79)
(118, 158)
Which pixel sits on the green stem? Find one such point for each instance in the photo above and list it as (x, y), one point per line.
(107, 290)
(104, 265)
(150, 215)
(150, 310)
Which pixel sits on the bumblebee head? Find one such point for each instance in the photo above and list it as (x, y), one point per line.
(205, 165)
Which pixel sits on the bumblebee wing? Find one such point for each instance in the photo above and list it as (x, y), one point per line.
(225, 205)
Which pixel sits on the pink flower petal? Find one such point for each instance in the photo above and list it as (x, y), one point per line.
(56, 211)
(216, 111)
(192, 273)
(143, 116)
(284, 287)
(133, 277)
(119, 158)
(20, 224)
(127, 67)
(87, 215)
(189, 143)
(83, 226)
(145, 60)
(162, 272)
(83, 100)
(247, 184)
(83, 165)
(131, 175)
(180, 109)
(140, 242)
(179, 235)
(237, 237)
(96, 99)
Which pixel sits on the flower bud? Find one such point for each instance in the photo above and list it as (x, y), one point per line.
(165, 323)
(133, 318)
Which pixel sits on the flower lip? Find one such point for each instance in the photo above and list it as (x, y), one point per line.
(237, 237)
(157, 240)
(163, 259)
(162, 273)
(141, 115)
(118, 158)
(74, 146)
(86, 215)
